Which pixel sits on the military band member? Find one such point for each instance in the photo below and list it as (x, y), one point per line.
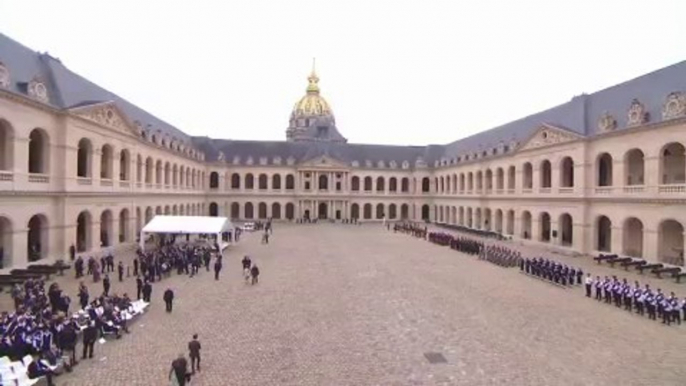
(650, 305)
(607, 287)
(659, 297)
(637, 292)
(628, 295)
(589, 285)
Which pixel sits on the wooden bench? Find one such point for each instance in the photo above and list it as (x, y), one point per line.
(616, 260)
(600, 258)
(671, 270)
(649, 266)
(633, 262)
(42, 270)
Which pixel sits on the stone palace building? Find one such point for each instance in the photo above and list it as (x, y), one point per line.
(81, 166)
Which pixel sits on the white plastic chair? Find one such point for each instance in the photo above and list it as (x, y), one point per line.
(24, 380)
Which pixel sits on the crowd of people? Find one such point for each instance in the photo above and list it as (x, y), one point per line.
(43, 327)
(642, 300)
(552, 271)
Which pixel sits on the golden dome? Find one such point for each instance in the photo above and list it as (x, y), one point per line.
(312, 104)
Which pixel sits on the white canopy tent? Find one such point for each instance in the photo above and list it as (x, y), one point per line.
(189, 225)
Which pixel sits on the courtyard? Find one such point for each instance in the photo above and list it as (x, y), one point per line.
(359, 305)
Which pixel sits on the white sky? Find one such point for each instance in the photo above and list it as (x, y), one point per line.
(395, 72)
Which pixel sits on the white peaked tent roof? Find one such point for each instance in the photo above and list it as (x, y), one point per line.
(188, 224)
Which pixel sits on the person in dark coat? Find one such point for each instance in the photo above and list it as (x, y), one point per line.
(194, 353)
(72, 252)
(67, 338)
(139, 287)
(78, 267)
(255, 273)
(90, 335)
(217, 267)
(135, 267)
(168, 299)
(120, 271)
(147, 291)
(83, 295)
(179, 368)
(106, 285)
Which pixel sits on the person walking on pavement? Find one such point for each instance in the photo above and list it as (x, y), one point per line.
(255, 273)
(194, 353)
(217, 267)
(147, 291)
(168, 299)
(106, 285)
(179, 369)
(120, 271)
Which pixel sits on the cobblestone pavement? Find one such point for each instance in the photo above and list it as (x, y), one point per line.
(358, 305)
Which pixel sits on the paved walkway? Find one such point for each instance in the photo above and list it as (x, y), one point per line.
(358, 305)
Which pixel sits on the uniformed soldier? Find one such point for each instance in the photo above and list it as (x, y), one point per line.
(598, 288)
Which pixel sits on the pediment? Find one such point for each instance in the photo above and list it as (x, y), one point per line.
(549, 135)
(323, 162)
(106, 114)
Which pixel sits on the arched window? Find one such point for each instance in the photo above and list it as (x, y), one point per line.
(566, 229)
(634, 166)
(125, 165)
(546, 174)
(39, 151)
(249, 181)
(276, 182)
(355, 184)
(426, 185)
(290, 182)
(380, 213)
(323, 183)
(368, 184)
(84, 158)
(528, 175)
(214, 180)
(106, 162)
(37, 238)
(149, 166)
(393, 185)
(603, 234)
(673, 164)
(235, 182)
(262, 181)
(604, 170)
(567, 173)
(405, 185)
(367, 211)
(380, 184)
(6, 145)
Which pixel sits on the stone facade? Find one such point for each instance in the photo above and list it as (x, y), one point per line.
(92, 174)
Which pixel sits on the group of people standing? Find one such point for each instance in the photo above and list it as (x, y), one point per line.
(552, 271)
(636, 298)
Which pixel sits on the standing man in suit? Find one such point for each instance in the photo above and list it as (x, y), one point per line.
(194, 353)
(168, 299)
(90, 335)
(147, 291)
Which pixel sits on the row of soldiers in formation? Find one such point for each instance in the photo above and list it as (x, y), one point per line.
(413, 229)
(551, 270)
(657, 305)
(500, 255)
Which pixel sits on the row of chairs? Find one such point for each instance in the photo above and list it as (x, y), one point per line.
(642, 265)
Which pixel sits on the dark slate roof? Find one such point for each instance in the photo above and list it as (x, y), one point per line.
(67, 89)
(650, 89)
(304, 151)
